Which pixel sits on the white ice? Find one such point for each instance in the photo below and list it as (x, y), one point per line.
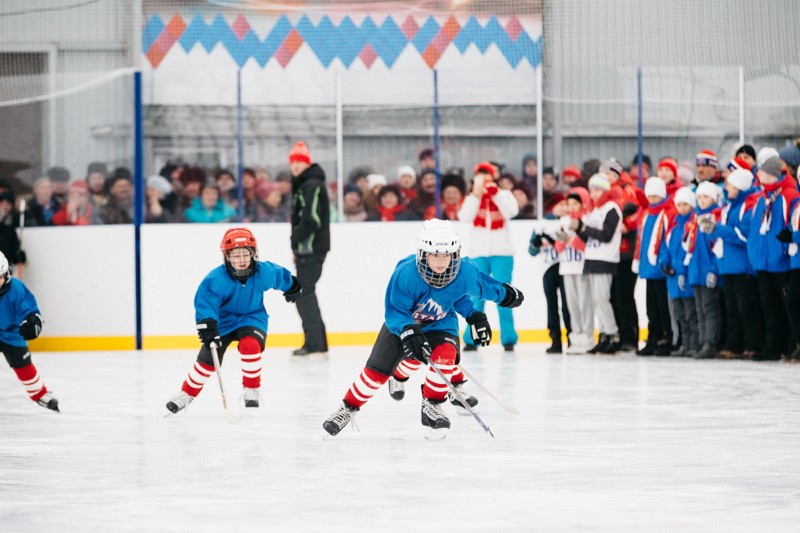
(602, 443)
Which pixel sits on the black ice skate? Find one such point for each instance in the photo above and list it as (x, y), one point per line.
(434, 419)
(471, 400)
(49, 401)
(397, 388)
(179, 402)
(339, 419)
(251, 397)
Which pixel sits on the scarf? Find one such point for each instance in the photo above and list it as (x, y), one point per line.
(489, 216)
(388, 213)
(690, 231)
(664, 211)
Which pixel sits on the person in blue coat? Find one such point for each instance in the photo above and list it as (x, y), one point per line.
(209, 207)
(703, 273)
(791, 237)
(229, 306)
(21, 321)
(425, 294)
(673, 265)
(744, 330)
(769, 256)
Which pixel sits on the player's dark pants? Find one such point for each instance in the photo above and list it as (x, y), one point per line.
(659, 326)
(309, 270)
(387, 352)
(624, 304)
(793, 303)
(553, 283)
(743, 312)
(778, 337)
(204, 356)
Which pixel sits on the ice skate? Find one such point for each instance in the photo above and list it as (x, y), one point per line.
(49, 401)
(472, 401)
(251, 397)
(434, 419)
(179, 402)
(339, 419)
(397, 388)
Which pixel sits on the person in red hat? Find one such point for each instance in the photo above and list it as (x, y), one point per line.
(667, 170)
(311, 242)
(77, 210)
(488, 209)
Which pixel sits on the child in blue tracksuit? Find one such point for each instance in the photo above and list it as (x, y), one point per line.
(423, 297)
(791, 236)
(20, 321)
(229, 306)
(744, 331)
(673, 265)
(769, 256)
(703, 274)
(648, 258)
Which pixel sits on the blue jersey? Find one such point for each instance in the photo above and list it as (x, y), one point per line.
(409, 300)
(234, 304)
(15, 305)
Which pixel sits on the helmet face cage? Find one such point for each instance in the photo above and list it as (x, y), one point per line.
(4, 271)
(239, 238)
(435, 279)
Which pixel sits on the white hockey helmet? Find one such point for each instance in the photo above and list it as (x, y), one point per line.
(438, 237)
(5, 273)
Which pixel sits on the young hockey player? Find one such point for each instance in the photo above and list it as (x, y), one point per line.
(743, 330)
(229, 306)
(421, 325)
(703, 273)
(648, 257)
(602, 233)
(20, 321)
(680, 292)
(576, 285)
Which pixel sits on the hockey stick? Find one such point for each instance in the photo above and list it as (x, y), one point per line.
(510, 408)
(22, 207)
(217, 365)
(458, 395)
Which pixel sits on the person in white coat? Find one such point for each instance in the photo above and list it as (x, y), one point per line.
(488, 209)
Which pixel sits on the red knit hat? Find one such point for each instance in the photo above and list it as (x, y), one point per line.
(300, 153)
(707, 158)
(739, 163)
(571, 170)
(484, 167)
(671, 164)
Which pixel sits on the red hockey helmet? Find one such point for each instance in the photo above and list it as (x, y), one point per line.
(237, 238)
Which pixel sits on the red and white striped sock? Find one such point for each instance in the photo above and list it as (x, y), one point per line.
(29, 377)
(364, 387)
(406, 368)
(435, 387)
(197, 377)
(251, 371)
(458, 376)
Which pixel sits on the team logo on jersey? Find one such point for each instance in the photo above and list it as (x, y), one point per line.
(428, 311)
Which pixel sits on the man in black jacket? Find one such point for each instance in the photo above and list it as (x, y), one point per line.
(311, 241)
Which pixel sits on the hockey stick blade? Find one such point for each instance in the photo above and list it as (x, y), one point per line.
(510, 408)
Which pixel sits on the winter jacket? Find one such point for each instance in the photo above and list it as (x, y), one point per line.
(602, 233)
(632, 203)
(794, 226)
(700, 260)
(730, 235)
(675, 256)
(489, 218)
(199, 213)
(770, 216)
(650, 245)
(311, 219)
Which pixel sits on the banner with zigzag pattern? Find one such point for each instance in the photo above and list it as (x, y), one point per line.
(346, 41)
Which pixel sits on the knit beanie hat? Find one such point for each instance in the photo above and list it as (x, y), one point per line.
(747, 149)
(707, 158)
(739, 163)
(671, 164)
(685, 195)
(571, 171)
(599, 181)
(484, 167)
(655, 187)
(741, 179)
(766, 153)
(771, 166)
(612, 165)
(790, 154)
(710, 189)
(406, 169)
(373, 180)
(300, 153)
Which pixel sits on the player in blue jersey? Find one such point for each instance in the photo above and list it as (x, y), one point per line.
(229, 306)
(422, 295)
(20, 321)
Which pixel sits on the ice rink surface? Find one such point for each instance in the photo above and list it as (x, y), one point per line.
(602, 443)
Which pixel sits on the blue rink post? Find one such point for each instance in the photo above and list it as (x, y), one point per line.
(138, 199)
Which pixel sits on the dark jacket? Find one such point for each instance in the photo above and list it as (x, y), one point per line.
(311, 232)
(36, 215)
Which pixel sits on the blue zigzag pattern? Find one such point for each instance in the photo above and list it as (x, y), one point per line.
(345, 41)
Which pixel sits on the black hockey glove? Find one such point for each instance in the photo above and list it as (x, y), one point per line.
(208, 332)
(294, 291)
(479, 329)
(513, 297)
(31, 327)
(415, 345)
(537, 241)
(548, 238)
(785, 235)
(629, 209)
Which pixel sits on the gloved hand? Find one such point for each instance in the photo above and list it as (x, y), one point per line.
(785, 235)
(294, 291)
(667, 269)
(706, 224)
(30, 327)
(415, 345)
(711, 280)
(629, 209)
(208, 332)
(537, 241)
(479, 329)
(513, 297)
(562, 236)
(682, 282)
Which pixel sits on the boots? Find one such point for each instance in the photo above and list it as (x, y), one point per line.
(612, 345)
(601, 343)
